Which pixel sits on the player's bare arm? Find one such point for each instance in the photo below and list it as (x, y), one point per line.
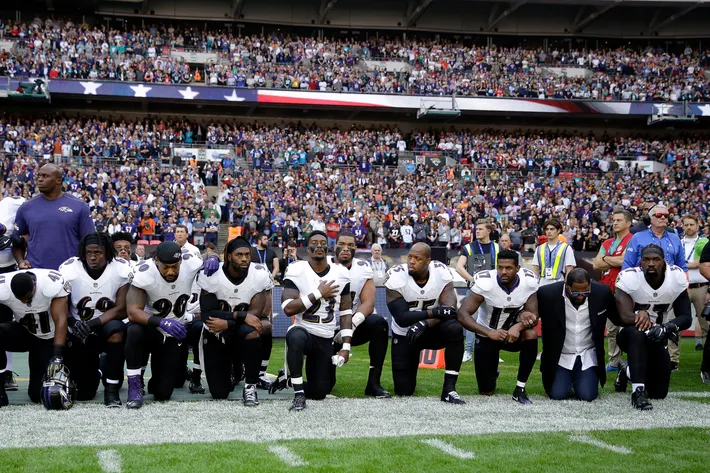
(60, 314)
(118, 311)
(625, 308)
(135, 306)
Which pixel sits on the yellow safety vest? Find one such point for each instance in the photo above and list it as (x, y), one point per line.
(556, 267)
(496, 249)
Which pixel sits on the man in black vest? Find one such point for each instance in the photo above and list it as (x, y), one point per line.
(573, 335)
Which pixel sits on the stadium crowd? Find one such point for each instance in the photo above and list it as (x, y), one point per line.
(63, 49)
(378, 204)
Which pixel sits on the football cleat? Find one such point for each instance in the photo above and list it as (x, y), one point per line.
(299, 402)
(639, 399)
(377, 392)
(263, 383)
(674, 366)
(705, 376)
(196, 387)
(249, 396)
(467, 357)
(10, 383)
(135, 393)
(452, 398)
(699, 347)
(280, 383)
(520, 396)
(622, 381)
(111, 397)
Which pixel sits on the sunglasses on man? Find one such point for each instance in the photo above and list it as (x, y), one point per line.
(661, 215)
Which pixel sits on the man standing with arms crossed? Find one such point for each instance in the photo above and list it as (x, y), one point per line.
(609, 261)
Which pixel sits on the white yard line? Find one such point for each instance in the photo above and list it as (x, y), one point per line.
(598, 443)
(110, 461)
(287, 456)
(173, 422)
(449, 449)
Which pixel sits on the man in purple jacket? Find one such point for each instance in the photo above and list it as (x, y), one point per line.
(52, 223)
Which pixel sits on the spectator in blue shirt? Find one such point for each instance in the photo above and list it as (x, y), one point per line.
(658, 234)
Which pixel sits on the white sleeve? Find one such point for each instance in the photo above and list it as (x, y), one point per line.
(534, 261)
(569, 257)
(627, 280)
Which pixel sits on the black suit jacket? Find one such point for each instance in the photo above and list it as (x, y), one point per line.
(551, 306)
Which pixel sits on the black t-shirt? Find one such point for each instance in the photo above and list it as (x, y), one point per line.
(705, 255)
(264, 257)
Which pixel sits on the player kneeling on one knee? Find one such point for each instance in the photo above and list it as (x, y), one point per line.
(38, 301)
(232, 300)
(508, 292)
(97, 304)
(646, 295)
(313, 290)
(367, 327)
(156, 303)
(422, 301)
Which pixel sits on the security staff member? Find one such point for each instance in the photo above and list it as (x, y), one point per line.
(554, 258)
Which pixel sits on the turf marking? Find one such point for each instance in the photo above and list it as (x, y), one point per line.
(287, 456)
(110, 461)
(598, 443)
(449, 449)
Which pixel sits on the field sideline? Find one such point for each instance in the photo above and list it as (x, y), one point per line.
(355, 434)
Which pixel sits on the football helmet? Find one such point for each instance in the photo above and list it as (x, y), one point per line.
(58, 391)
(5, 242)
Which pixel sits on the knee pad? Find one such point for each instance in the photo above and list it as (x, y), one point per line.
(453, 331)
(297, 337)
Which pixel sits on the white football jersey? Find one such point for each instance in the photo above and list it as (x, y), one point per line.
(8, 210)
(90, 298)
(319, 319)
(167, 299)
(233, 297)
(360, 272)
(418, 298)
(657, 302)
(35, 317)
(501, 310)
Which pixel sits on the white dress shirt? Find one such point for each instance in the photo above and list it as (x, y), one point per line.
(578, 337)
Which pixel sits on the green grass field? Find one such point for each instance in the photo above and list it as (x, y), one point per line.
(361, 435)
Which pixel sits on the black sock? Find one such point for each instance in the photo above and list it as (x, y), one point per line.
(251, 354)
(114, 361)
(266, 345)
(450, 381)
(373, 378)
(378, 347)
(527, 357)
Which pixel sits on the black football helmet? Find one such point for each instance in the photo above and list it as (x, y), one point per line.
(58, 391)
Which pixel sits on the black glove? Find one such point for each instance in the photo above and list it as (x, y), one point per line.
(415, 331)
(82, 329)
(280, 383)
(661, 333)
(443, 313)
(56, 364)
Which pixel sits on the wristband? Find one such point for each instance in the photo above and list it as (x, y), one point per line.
(285, 303)
(154, 321)
(346, 312)
(231, 324)
(358, 318)
(346, 332)
(94, 323)
(58, 351)
(307, 304)
(346, 347)
(317, 295)
(240, 316)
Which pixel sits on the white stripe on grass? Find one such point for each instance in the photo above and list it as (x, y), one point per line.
(287, 456)
(109, 460)
(449, 449)
(173, 422)
(598, 443)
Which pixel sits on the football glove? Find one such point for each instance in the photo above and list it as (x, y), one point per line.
(173, 328)
(415, 331)
(82, 330)
(56, 364)
(661, 333)
(211, 265)
(443, 313)
(280, 383)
